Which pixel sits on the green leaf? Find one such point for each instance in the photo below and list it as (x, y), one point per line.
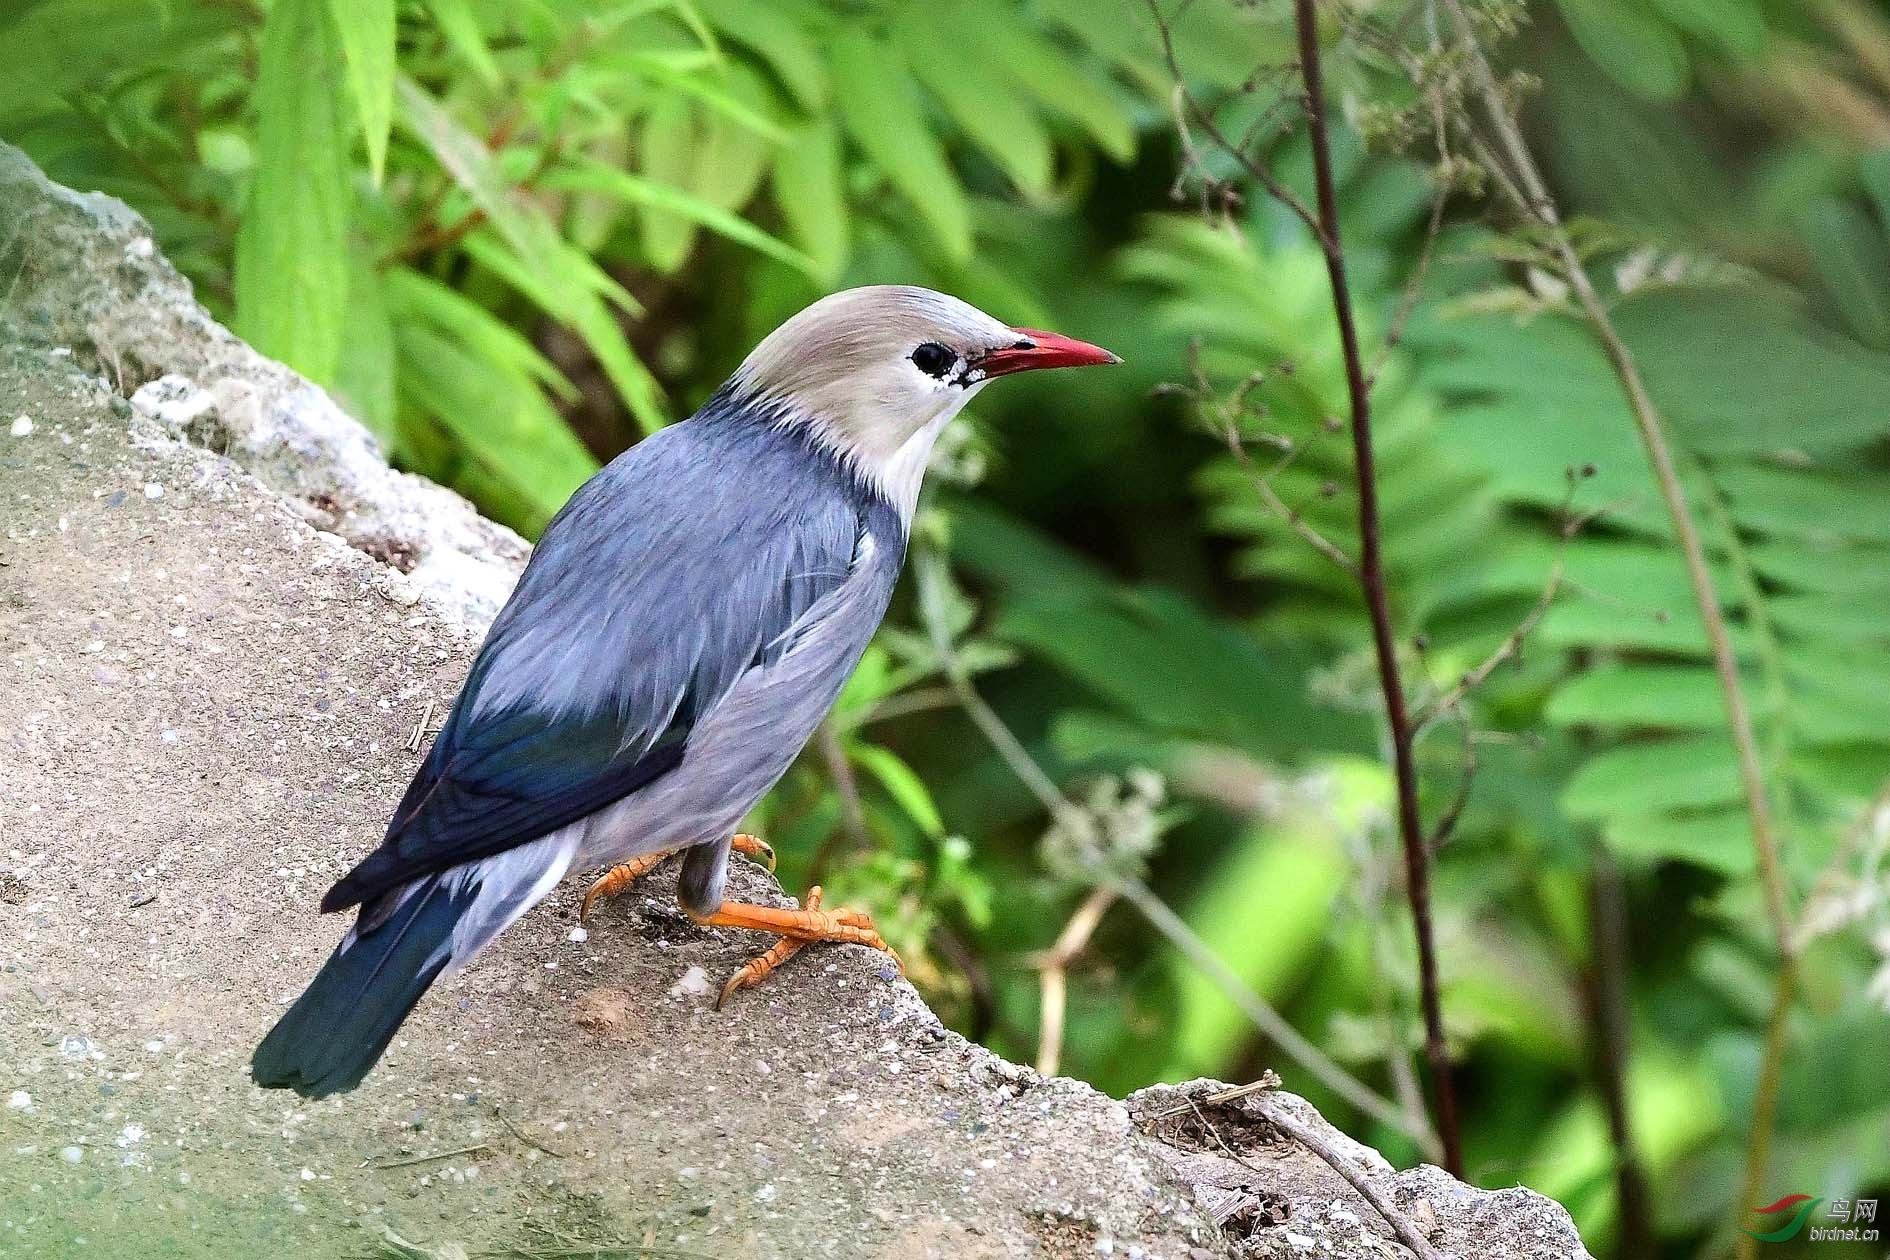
(1676, 697)
(416, 297)
(1736, 373)
(1636, 48)
(809, 189)
(773, 32)
(292, 246)
(591, 176)
(983, 102)
(562, 279)
(54, 47)
(500, 418)
(902, 784)
(1720, 840)
(1654, 777)
(668, 151)
(1162, 661)
(690, 82)
(367, 31)
(1848, 250)
(364, 383)
(1298, 866)
(876, 101)
(1737, 26)
(1808, 503)
(1058, 82)
(461, 29)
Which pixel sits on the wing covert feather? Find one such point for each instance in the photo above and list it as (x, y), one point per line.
(687, 561)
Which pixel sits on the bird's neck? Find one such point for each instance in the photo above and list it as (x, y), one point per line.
(889, 460)
(900, 475)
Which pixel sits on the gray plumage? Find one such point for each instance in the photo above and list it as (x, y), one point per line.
(683, 626)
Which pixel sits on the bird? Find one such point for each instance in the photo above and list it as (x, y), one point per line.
(684, 624)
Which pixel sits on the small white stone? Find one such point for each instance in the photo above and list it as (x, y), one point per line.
(767, 1194)
(152, 490)
(72, 1154)
(579, 935)
(19, 1100)
(308, 1174)
(694, 983)
(22, 425)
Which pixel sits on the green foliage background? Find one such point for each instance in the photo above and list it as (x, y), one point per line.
(512, 237)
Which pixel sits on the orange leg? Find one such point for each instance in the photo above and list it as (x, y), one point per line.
(619, 877)
(797, 929)
(761, 966)
(616, 879)
(754, 847)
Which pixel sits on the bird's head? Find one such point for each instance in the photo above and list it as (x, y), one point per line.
(877, 372)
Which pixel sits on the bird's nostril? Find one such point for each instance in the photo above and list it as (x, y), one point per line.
(1024, 345)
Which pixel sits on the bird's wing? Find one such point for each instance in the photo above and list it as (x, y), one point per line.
(696, 556)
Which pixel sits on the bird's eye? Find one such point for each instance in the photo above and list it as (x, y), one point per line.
(933, 359)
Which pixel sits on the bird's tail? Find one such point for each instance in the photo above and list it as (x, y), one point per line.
(336, 1031)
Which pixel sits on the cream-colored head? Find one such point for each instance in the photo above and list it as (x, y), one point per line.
(878, 372)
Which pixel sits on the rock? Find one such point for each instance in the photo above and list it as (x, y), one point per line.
(86, 279)
(1276, 1200)
(206, 695)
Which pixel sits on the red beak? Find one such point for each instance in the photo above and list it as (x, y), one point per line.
(1036, 348)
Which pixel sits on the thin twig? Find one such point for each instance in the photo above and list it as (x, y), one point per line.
(1446, 824)
(370, 1161)
(1269, 1021)
(1053, 974)
(833, 755)
(525, 1137)
(918, 700)
(1414, 287)
(1402, 1225)
(1606, 991)
(1205, 120)
(418, 734)
(1647, 422)
(1270, 1109)
(1229, 411)
(1511, 646)
(1377, 597)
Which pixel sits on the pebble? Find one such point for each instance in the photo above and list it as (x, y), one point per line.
(72, 1154)
(694, 983)
(579, 935)
(152, 490)
(19, 1100)
(22, 426)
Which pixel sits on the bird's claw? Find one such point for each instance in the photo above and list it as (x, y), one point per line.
(754, 847)
(616, 879)
(798, 929)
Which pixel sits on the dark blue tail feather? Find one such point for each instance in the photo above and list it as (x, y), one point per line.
(335, 1033)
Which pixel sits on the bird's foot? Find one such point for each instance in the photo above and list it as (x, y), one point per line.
(797, 929)
(619, 877)
(754, 847)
